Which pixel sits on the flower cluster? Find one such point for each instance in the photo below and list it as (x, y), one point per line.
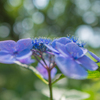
(65, 52)
(39, 44)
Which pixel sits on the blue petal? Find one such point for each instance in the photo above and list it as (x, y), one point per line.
(26, 60)
(3, 53)
(75, 50)
(70, 68)
(94, 56)
(23, 44)
(24, 54)
(62, 49)
(54, 43)
(52, 49)
(53, 46)
(8, 45)
(88, 63)
(62, 40)
(84, 51)
(6, 58)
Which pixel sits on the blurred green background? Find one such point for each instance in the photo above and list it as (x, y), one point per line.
(47, 18)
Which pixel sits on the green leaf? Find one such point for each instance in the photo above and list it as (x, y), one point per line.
(93, 74)
(33, 70)
(57, 78)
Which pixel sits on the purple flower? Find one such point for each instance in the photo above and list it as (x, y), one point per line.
(72, 60)
(43, 71)
(11, 51)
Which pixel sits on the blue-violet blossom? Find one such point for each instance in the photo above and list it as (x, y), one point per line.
(11, 51)
(71, 58)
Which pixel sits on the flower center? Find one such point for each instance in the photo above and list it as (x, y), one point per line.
(15, 53)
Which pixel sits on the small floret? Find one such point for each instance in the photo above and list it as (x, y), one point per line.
(11, 51)
(70, 58)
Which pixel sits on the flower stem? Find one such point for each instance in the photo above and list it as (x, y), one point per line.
(50, 84)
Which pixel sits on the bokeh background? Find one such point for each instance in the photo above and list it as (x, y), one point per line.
(51, 19)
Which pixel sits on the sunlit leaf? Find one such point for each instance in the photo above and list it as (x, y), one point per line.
(93, 74)
(33, 70)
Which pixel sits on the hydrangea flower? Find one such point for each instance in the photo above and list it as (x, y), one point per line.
(43, 71)
(71, 58)
(11, 51)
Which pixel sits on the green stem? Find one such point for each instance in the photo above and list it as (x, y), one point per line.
(50, 84)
